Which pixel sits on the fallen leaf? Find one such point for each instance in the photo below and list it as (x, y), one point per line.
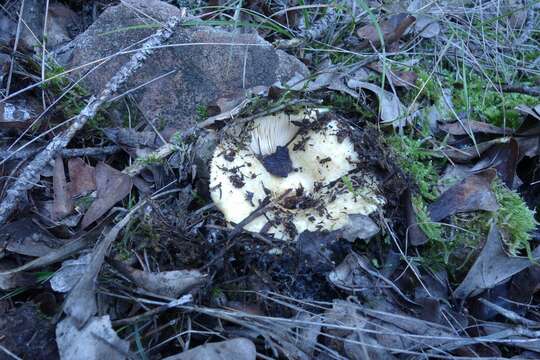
(391, 110)
(359, 227)
(504, 157)
(81, 303)
(470, 152)
(492, 266)
(527, 110)
(467, 127)
(392, 29)
(82, 177)
(13, 276)
(69, 273)
(452, 174)
(237, 349)
(166, 283)
(96, 340)
(112, 187)
(471, 194)
(349, 275)
(426, 26)
(25, 237)
(45, 210)
(62, 204)
(315, 249)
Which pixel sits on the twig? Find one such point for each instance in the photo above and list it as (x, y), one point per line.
(133, 319)
(528, 90)
(33, 169)
(66, 153)
(9, 353)
(159, 154)
(238, 228)
(17, 37)
(509, 314)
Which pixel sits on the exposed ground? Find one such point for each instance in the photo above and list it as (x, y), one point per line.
(112, 241)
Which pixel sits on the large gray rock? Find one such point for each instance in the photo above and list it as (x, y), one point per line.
(218, 64)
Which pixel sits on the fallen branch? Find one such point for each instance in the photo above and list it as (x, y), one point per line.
(30, 174)
(527, 90)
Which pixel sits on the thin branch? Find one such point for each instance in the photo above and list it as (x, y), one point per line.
(527, 90)
(31, 172)
(66, 153)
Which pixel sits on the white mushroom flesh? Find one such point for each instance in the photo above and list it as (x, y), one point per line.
(325, 167)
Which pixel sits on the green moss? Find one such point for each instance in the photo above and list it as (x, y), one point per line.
(432, 230)
(454, 246)
(150, 159)
(474, 95)
(514, 218)
(347, 104)
(202, 112)
(430, 89)
(73, 101)
(416, 160)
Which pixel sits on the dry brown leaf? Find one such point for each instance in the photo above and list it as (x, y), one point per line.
(166, 283)
(392, 29)
(471, 194)
(62, 204)
(468, 153)
(472, 126)
(112, 186)
(504, 157)
(534, 112)
(492, 266)
(82, 177)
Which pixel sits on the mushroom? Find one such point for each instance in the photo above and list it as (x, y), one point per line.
(303, 167)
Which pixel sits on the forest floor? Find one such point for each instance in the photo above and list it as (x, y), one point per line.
(272, 179)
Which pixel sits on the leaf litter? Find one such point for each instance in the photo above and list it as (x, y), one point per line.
(445, 269)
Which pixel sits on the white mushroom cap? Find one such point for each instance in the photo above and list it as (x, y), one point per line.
(318, 198)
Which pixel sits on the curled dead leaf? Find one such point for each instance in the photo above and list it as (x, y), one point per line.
(112, 186)
(471, 194)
